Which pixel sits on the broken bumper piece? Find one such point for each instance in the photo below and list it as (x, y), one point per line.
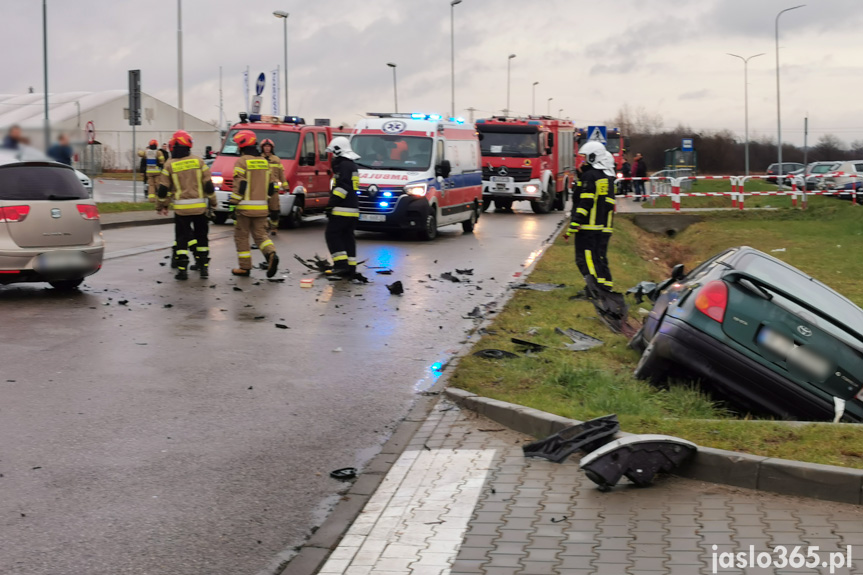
(584, 437)
(637, 457)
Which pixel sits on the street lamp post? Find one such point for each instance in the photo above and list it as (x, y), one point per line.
(452, 6)
(560, 113)
(180, 115)
(746, 101)
(508, 76)
(47, 126)
(284, 16)
(548, 107)
(395, 85)
(533, 103)
(778, 106)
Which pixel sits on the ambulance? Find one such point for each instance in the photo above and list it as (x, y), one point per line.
(418, 172)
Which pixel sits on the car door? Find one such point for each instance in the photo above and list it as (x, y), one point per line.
(448, 190)
(306, 171)
(323, 170)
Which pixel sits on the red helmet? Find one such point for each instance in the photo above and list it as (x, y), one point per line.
(245, 138)
(154, 143)
(181, 138)
(268, 142)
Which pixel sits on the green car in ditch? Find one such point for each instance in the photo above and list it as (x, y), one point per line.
(761, 333)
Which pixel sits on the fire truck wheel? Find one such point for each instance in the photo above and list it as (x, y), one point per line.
(294, 219)
(560, 199)
(486, 202)
(220, 218)
(430, 231)
(546, 203)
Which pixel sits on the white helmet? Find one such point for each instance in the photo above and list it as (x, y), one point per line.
(593, 152)
(607, 164)
(340, 147)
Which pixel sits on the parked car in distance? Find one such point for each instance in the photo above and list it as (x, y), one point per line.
(846, 176)
(763, 334)
(49, 225)
(787, 168)
(85, 181)
(815, 176)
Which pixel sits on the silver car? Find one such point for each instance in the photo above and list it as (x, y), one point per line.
(49, 225)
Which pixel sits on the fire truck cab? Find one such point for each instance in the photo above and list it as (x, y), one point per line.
(528, 159)
(418, 172)
(302, 150)
(615, 143)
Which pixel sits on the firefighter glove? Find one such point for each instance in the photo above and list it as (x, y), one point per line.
(572, 229)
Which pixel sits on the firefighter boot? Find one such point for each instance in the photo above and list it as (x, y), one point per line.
(182, 266)
(174, 256)
(272, 264)
(203, 265)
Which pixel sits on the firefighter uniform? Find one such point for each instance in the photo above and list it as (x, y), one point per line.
(152, 162)
(344, 215)
(277, 176)
(592, 224)
(254, 197)
(185, 182)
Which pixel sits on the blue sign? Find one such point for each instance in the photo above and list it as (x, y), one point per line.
(260, 84)
(597, 134)
(686, 145)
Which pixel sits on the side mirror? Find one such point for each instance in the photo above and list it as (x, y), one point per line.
(443, 169)
(677, 272)
(550, 140)
(548, 150)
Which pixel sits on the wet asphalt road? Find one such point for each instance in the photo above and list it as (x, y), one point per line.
(197, 439)
(118, 191)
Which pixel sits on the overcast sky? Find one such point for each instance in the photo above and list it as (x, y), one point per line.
(590, 57)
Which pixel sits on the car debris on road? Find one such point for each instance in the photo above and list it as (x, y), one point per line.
(639, 458)
(584, 437)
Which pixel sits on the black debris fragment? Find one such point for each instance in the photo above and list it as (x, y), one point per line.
(539, 286)
(276, 280)
(529, 346)
(260, 317)
(316, 264)
(643, 290)
(466, 272)
(282, 326)
(161, 263)
(237, 288)
(168, 305)
(584, 437)
(122, 301)
(450, 277)
(396, 288)
(580, 341)
(475, 313)
(386, 272)
(637, 457)
(613, 311)
(344, 474)
(213, 286)
(495, 354)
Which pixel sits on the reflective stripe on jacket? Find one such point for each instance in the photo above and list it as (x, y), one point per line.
(184, 178)
(255, 171)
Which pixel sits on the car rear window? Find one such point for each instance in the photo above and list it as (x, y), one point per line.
(798, 285)
(28, 182)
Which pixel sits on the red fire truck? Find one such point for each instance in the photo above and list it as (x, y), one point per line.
(526, 159)
(615, 143)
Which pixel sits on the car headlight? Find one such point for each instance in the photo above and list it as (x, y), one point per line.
(217, 180)
(619, 174)
(531, 189)
(418, 190)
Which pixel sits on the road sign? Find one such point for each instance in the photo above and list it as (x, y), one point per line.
(134, 97)
(686, 145)
(597, 134)
(91, 133)
(260, 84)
(256, 104)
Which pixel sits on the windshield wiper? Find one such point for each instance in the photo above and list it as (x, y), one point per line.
(55, 197)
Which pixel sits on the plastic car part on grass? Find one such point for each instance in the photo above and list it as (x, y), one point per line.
(580, 341)
(643, 290)
(495, 354)
(584, 437)
(529, 346)
(539, 287)
(637, 457)
(613, 312)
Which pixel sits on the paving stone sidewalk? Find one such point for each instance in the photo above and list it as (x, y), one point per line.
(463, 500)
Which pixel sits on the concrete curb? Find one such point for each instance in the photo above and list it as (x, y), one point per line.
(129, 223)
(826, 482)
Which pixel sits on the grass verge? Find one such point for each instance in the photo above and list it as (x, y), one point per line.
(821, 241)
(118, 207)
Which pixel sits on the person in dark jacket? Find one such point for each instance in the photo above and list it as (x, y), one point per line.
(13, 138)
(639, 171)
(344, 208)
(626, 172)
(61, 151)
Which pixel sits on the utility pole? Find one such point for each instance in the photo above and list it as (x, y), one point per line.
(548, 107)
(778, 106)
(221, 104)
(746, 101)
(395, 86)
(180, 115)
(452, 6)
(805, 143)
(533, 101)
(508, 76)
(45, 70)
(471, 110)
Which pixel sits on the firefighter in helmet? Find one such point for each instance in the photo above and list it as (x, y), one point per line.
(592, 217)
(152, 161)
(344, 211)
(254, 197)
(277, 176)
(185, 182)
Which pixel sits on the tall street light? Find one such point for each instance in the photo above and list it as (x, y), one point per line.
(508, 76)
(548, 107)
(284, 16)
(778, 107)
(533, 104)
(47, 126)
(180, 115)
(746, 101)
(452, 6)
(395, 85)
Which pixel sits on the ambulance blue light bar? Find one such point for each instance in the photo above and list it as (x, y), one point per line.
(534, 123)
(413, 116)
(275, 119)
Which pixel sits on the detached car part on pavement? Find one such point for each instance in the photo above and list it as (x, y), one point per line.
(761, 332)
(637, 457)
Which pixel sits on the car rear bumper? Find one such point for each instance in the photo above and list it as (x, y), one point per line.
(21, 265)
(740, 377)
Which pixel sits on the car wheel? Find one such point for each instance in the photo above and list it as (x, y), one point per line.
(66, 285)
(220, 218)
(486, 202)
(430, 231)
(545, 204)
(294, 219)
(468, 225)
(651, 367)
(637, 341)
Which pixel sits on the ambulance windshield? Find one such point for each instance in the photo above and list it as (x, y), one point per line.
(286, 143)
(513, 144)
(410, 153)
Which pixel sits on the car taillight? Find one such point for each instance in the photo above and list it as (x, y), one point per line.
(712, 300)
(14, 213)
(88, 212)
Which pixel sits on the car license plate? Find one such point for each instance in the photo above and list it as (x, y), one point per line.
(796, 356)
(501, 179)
(61, 260)
(373, 218)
